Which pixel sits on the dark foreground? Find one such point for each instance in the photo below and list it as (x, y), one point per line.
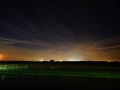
(57, 83)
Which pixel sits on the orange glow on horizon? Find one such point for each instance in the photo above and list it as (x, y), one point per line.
(1, 57)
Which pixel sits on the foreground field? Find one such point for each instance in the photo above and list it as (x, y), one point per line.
(58, 83)
(52, 70)
(59, 76)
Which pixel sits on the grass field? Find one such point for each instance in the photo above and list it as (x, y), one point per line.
(59, 76)
(40, 70)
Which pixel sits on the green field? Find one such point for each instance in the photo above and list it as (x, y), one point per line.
(68, 72)
(79, 73)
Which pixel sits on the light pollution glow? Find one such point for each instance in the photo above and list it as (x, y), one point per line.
(67, 51)
(35, 33)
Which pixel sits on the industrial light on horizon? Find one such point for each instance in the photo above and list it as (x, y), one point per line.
(61, 60)
(75, 60)
(41, 60)
(1, 57)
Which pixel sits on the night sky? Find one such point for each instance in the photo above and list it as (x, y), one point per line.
(69, 30)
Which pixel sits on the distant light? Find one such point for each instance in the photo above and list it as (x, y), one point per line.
(1, 57)
(74, 60)
(61, 60)
(109, 61)
(41, 60)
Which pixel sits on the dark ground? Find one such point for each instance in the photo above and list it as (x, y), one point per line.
(57, 83)
(62, 83)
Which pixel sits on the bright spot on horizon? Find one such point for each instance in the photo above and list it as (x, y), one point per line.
(41, 60)
(74, 60)
(1, 57)
(61, 60)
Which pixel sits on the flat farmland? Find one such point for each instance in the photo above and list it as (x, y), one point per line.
(60, 76)
(96, 70)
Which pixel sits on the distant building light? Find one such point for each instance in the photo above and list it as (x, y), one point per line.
(74, 60)
(41, 60)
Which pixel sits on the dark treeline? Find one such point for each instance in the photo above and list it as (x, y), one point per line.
(101, 63)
